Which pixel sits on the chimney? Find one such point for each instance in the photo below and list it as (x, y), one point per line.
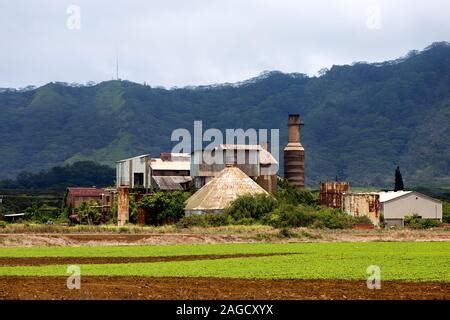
(294, 154)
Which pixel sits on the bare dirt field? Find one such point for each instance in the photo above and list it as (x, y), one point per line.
(241, 234)
(215, 288)
(29, 261)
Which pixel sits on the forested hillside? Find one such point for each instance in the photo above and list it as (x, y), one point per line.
(361, 121)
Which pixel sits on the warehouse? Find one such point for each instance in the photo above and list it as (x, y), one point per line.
(395, 205)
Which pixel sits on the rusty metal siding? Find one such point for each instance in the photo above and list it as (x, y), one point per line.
(363, 204)
(331, 193)
(123, 204)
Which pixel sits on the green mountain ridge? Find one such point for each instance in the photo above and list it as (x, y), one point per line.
(361, 120)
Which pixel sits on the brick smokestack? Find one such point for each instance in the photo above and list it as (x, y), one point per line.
(294, 154)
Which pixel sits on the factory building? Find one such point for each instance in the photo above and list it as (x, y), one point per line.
(221, 190)
(395, 205)
(253, 160)
(169, 172)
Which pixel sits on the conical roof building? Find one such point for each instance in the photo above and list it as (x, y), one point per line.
(217, 194)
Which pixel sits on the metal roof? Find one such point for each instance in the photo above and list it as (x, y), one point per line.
(137, 157)
(240, 147)
(158, 164)
(86, 192)
(389, 195)
(222, 190)
(171, 182)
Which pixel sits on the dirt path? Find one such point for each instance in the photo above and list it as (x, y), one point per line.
(37, 261)
(214, 288)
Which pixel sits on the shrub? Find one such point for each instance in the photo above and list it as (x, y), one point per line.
(288, 215)
(286, 233)
(3, 224)
(333, 219)
(292, 195)
(445, 212)
(204, 220)
(251, 208)
(416, 222)
(42, 214)
(88, 213)
(163, 207)
(362, 220)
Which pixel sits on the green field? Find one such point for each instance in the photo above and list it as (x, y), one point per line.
(418, 261)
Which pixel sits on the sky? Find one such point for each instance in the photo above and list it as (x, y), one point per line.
(197, 42)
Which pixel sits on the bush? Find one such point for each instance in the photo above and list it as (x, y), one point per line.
(445, 212)
(204, 220)
(362, 220)
(164, 207)
(288, 215)
(42, 214)
(292, 195)
(333, 219)
(251, 208)
(88, 213)
(416, 222)
(3, 224)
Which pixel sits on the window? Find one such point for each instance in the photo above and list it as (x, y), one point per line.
(138, 179)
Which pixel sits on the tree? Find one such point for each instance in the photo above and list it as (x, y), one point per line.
(398, 180)
(164, 207)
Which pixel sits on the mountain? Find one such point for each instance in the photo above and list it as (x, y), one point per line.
(361, 120)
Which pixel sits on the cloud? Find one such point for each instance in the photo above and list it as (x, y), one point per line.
(177, 43)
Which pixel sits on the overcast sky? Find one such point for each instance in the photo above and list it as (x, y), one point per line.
(183, 42)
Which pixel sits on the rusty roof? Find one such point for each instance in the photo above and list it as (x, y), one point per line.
(171, 182)
(222, 190)
(86, 192)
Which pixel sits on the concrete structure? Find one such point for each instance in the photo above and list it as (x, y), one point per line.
(123, 206)
(395, 205)
(74, 197)
(217, 194)
(331, 193)
(294, 154)
(255, 161)
(363, 204)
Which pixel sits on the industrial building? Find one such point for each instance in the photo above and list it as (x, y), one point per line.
(256, 162)
(74, 197)
(169, 172)
(223, 189)
(393, 206)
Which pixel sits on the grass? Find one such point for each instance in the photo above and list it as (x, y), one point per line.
(397, 260)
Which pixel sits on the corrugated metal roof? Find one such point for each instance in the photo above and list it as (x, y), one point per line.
(158, 164)
(86, 192)
(171, 182)
(222, 190)
(141, 156)
(240, 147)
(389, 195)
